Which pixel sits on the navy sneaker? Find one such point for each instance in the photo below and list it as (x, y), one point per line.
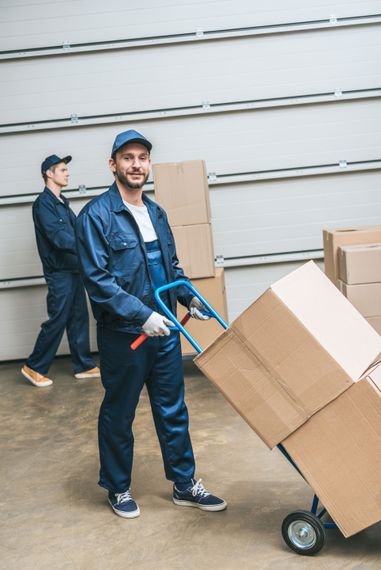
(197, 496)
(123, 504)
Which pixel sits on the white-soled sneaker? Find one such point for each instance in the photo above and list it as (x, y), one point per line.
(93, 373)
(123, 504)
(197, 496)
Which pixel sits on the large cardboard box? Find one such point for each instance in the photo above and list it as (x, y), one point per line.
(375, 322)
(335, 238)
(365, 297)
(294, 350)
(182, 189)
(205, 332)
(360, 263)
(194, 246)
(338, 451)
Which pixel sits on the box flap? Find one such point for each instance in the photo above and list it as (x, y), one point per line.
(265, 405)
(330, 318)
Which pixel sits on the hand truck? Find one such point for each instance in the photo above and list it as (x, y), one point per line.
(303, 531)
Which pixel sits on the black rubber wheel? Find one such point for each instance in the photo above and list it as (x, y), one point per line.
(303, 532)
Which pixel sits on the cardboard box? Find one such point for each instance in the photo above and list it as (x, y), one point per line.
(182, 189)
(335, 238)
(338, 451)
(194, 246)
(206, 332)
(295, 349)
(366, 297)
(375, 322)
(360, 263)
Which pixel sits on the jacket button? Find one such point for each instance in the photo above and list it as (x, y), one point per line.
(124, 243)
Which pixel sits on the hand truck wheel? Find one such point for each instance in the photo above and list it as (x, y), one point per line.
(303, 532)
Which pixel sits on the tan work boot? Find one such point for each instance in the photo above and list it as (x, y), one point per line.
(93, 373)
(35, 378)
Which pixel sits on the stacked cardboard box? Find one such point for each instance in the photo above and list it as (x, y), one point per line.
(213, 290)
(182, 189)
(360, 279)
(333, 239)
(300, 366)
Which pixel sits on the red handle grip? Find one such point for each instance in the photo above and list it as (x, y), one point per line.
(144, 337)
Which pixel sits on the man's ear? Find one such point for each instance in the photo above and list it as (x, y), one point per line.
(112, 165)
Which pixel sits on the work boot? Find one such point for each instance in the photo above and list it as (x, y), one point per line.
(197, 496)
(35, 378)
(123, 504)
(92, 373)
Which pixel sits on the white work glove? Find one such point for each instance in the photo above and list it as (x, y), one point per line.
(156, 325)
(195, 308)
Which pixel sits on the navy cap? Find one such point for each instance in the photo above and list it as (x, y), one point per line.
(52, 160)
(129, 137)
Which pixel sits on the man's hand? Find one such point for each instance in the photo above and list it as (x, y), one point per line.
(195, 308)
(156, 325)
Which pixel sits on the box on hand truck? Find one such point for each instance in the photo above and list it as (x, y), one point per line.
(300, 365)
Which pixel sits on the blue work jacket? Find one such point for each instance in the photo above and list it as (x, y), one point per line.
(54, 224)
(113, 262)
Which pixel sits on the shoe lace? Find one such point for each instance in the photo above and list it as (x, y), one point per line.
(123, 497)
(199, 489)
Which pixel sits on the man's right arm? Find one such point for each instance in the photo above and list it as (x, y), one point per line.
(101, 285)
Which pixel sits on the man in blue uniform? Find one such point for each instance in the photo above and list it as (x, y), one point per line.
(126, 250)
(54, 224)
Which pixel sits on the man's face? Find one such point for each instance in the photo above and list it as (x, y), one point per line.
(131, 165)
(59, 174)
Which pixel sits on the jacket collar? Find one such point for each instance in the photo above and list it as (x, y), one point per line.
(117, 204)
(53, 197)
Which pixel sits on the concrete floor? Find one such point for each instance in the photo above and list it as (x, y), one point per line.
(54, 516)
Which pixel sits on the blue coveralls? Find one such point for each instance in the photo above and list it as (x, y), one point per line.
(120, 272)
(54, 224)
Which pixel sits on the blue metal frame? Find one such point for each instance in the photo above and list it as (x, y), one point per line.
(212, 313)
(315, 500)
(178, 326)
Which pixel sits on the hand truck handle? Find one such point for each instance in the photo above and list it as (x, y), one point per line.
(179, 325)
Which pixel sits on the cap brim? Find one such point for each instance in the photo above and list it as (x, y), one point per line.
(66, 159)
(143, 142)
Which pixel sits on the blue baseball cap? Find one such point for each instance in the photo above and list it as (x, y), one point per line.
(52, 160)
(129, 137)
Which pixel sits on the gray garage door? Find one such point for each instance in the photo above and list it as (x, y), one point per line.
(281, 99)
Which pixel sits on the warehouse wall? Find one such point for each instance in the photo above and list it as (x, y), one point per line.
(281, 99)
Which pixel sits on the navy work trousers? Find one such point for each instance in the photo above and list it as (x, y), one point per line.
(67, 309)
(156, 363)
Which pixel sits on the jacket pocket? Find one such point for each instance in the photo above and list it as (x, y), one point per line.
(121, 242)
(124, 255)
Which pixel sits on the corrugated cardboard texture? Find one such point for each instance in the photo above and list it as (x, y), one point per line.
(375, 322)
(338, 451)
(290, 376)
(250, 388)
(194, 246)
(360, 263)
(271, 366)
(375, 376)
(366, 298)
(182, 189)
(206, 332)
(332, 239)
(330, 318)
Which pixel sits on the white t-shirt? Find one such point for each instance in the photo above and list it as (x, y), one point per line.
(143, 220)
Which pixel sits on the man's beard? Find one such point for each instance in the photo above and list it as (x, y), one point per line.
(124, 180)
